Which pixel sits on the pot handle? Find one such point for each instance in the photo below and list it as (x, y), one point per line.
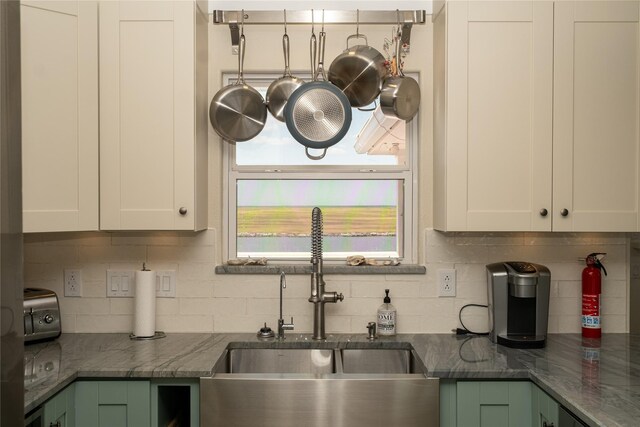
(241, 48)
(357, 36)
(320, 157)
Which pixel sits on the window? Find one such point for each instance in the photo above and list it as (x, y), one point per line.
(364, 185)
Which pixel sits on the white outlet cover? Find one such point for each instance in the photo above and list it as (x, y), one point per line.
(72, 283)
(447, 282)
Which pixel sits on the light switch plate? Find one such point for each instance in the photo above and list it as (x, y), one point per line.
(166, 284)
(121, 283)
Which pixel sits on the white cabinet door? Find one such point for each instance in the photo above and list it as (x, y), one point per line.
(498, 115)
(59, 115)
(148, 125)
(596, 116)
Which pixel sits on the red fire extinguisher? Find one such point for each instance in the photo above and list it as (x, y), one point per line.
(591, 289)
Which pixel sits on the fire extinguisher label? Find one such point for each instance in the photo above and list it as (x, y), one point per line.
(591, 311)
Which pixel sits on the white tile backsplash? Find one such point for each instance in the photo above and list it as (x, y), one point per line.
(207, 302)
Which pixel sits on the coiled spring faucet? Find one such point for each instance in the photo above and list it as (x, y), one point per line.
(319, 297)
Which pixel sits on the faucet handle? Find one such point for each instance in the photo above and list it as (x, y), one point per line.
(340, 297)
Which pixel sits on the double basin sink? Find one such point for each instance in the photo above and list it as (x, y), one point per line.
(319, 385)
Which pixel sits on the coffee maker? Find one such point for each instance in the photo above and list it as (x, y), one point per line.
(518, 303)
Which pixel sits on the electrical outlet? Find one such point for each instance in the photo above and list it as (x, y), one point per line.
(72, 283)
(120, 283)
(447, 282)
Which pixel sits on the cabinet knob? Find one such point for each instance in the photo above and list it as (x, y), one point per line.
(564, 212)
(543, 212)
(182, 210)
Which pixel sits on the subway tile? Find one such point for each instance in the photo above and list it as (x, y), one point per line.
(569, 324)
(59, 255)
(68, 239)
(184, 323)
(68, 323)
(200, 238)
(168, 306)
(196, 270)
(84, 305)
(180, 253)
(438, 238)
(94, 289)
(122, 306)
(376, 289)
(490, 239)
(196, 306)
(229, 306)
(613, 306)
(194, 288)
(458, 254)
(109, 254)
(145, 238)
(95, 323)
(615, 324)
(570, 289)
(337, 324)
(614, 288)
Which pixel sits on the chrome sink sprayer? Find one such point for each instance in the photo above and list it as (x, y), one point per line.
(319, 297)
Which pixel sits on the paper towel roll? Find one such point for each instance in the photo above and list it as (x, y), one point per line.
(144, 324)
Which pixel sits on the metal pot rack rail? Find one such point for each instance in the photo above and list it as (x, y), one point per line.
(407, 18)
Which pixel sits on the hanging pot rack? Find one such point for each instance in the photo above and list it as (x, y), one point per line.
(407, 18)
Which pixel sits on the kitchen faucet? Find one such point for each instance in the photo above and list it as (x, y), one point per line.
(281, 325)
(319, 297)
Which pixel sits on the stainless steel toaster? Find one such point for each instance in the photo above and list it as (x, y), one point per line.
(41, 315)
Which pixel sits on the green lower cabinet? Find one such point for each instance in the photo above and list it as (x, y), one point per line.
(59, 411)
(545, 409)
(175, 403)
(113, 403)
(485, 404)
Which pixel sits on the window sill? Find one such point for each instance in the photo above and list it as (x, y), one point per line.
(326, 269)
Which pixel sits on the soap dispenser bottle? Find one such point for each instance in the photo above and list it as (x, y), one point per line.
(387, 317)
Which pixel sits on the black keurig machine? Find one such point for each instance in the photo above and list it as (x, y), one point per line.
(518, 303)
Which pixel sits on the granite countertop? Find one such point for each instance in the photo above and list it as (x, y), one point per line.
(601, 385)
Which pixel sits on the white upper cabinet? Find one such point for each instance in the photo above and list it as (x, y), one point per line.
(59, 49)
(493, 124)
(153, 115)
(536, 116)
(596, 116)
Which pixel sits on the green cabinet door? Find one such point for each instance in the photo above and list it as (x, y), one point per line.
(545, 409)
(59, 411)
(493, 404)
(113, 403)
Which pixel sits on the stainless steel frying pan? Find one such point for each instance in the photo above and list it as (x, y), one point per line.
(238, 112)
(318, 114)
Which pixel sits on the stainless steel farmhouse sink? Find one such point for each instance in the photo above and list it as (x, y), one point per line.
(319, 386)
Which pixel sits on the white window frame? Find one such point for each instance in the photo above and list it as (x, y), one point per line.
(407, 173)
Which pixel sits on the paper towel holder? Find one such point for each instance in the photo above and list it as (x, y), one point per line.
(156, 336)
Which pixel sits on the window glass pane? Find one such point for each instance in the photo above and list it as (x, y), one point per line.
(360, 217)
(373, 139)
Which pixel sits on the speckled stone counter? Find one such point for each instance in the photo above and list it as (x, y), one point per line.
(601, 385)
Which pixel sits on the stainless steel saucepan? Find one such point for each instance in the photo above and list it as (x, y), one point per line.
(359, 71)
(238, 112)
(400, 95)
